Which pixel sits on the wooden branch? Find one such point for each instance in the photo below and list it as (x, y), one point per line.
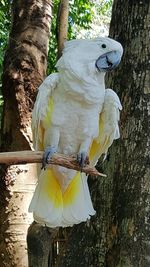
(23, 157)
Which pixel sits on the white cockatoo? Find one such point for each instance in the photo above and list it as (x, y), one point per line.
(74, 114)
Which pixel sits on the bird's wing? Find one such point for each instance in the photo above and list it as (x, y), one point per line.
(42, 111)
(108, 126)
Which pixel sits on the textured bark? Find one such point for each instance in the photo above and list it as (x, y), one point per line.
(24, 69)
(130, 210)
(40, 245)
(119, 234)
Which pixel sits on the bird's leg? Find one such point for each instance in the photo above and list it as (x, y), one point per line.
(48, 153)
(82, 156)
(82, 159)
(51, 141)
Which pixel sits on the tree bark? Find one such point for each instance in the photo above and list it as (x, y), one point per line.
(130, 210)
(62, 25)
(40, 245)
(118, 236)
(24, 69)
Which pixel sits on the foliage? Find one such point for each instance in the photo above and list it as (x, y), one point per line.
(4, 28)
(4, 32)
(104, 7)
(82, 14)
(100, 21)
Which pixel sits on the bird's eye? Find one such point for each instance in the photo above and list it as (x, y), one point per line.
(103, 46)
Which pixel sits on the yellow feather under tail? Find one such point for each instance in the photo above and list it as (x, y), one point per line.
(53, 207)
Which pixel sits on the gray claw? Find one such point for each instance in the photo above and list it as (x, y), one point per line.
(48, 153)
(82, 159)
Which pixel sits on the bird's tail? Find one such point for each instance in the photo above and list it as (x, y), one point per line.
(54, 208)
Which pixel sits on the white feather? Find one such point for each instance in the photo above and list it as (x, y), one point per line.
(110, 118)
(44, 92)
(79, 96)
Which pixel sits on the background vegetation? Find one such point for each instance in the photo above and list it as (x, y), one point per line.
(86, 19)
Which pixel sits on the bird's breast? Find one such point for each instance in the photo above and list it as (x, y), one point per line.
(76, 122)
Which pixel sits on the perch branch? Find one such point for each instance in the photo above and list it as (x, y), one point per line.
(23, 157)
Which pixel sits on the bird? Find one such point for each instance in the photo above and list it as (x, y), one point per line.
(74, 114)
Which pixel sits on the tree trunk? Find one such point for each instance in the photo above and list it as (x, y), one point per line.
(62, 25)
(130, 211)
(118, 236)
(24, 69)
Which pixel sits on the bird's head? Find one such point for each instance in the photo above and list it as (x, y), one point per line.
(110, 54)
(103, 53)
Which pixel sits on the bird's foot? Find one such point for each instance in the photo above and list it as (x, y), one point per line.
(48, 153)
(82, 159)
